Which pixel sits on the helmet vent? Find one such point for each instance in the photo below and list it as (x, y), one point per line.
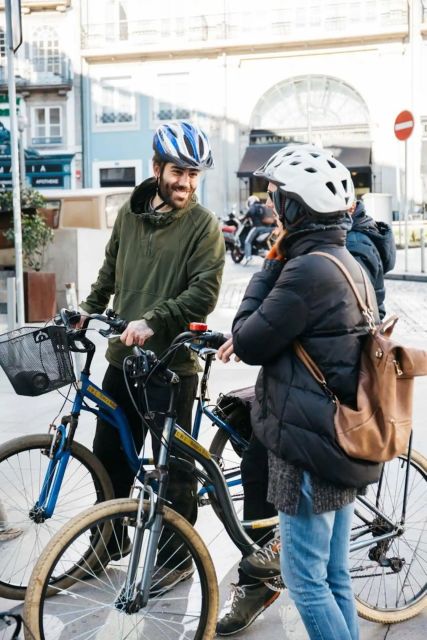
(315, 155)
(345, 185)
(331, 187)
(332, 164)
(188, 145)
(310, 170)
(295, 162)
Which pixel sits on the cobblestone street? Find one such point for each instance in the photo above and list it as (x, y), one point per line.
(408, 300)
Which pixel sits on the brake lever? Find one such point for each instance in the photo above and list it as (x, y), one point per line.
(206, 351)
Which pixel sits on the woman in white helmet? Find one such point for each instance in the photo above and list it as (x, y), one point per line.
(305, 297)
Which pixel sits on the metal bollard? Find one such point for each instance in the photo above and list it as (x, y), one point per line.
(422, 247)
(71, 295)
(72, 304)
(11, 304)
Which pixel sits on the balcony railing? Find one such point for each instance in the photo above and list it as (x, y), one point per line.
(40, 72)
(306, 19)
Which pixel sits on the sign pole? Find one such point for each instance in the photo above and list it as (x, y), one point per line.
(19, 271)
(403, 128)
(406, 205)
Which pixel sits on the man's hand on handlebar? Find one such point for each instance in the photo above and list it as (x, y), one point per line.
(225, 352)
(137, 333)
(82, 320)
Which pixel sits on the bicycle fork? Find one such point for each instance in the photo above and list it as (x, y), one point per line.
(59, 455)
(133, 597)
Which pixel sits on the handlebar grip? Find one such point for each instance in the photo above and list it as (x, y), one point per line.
(67, 317)
(216, 339)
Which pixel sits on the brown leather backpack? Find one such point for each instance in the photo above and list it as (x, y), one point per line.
(378, 429)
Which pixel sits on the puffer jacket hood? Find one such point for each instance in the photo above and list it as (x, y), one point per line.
(380, 233)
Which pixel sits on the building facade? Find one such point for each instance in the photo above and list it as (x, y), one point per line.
(256, 76)
(48, 92)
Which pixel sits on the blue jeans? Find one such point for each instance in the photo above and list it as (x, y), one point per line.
(254, 233)
(314, 564)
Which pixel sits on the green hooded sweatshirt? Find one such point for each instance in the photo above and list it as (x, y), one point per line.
(164, 268)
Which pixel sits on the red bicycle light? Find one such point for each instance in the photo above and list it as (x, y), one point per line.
(198, 326)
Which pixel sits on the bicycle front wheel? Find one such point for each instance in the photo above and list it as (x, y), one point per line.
(23, 469)
(90, 604)
(390, 576)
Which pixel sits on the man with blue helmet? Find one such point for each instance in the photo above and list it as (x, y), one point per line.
(163, 264)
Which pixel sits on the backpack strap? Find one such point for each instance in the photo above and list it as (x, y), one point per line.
(367, 307)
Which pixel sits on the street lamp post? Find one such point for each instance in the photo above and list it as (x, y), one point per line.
(14, 40)
(22, 124)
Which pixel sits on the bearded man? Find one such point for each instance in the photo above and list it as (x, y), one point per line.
(163, 264)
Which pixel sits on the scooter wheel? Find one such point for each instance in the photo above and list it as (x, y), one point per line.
(237, 255)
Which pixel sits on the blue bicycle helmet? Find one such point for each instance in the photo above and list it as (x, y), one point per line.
(184, 144)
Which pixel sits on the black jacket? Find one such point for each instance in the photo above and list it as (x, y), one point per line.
(372, 244)
(308, 299)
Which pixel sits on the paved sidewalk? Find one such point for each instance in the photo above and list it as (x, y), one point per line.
(22, 415)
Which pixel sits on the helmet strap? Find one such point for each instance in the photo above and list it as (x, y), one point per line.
(163, 200)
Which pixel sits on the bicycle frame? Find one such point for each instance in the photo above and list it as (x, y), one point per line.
(109, 411)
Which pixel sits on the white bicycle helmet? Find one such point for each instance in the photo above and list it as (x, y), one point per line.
(184, 144)
(311, 176)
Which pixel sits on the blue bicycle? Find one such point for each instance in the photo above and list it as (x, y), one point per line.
(46, 479)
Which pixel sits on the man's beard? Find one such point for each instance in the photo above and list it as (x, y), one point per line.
(166, 191)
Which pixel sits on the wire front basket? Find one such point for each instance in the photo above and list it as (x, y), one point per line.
(36, 361)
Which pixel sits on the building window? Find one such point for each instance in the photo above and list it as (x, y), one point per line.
(46, 55)
(117, 177)
(115, 103)
(117, 21)
(173, 97)
(46, 126)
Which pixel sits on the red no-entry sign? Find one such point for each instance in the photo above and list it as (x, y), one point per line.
(404, 125)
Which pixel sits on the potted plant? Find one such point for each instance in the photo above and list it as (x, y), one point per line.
(39, 286)
(31, 201)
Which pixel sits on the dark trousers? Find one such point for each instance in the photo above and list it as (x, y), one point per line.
(182, 487)
(254, 468)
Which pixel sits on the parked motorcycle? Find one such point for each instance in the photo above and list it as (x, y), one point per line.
(235, 231)
(229, 227)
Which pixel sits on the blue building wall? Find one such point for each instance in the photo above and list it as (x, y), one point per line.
(118, 143)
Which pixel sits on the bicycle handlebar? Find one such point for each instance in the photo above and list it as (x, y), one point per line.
(69, 318)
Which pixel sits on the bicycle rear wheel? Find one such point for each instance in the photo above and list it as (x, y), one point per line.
(88, 604)
(23, 467)
(390, 577)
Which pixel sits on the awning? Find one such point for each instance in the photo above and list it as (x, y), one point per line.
(256, 154)
(352, 157)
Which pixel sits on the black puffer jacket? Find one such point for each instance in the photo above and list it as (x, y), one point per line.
(372, 244)
(308, 299)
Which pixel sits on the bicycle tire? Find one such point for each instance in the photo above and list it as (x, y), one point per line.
(382, 594)
(22, 469)
(44, 617)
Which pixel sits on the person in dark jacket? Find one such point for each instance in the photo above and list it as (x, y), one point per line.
(312, 482)
(261, 221)
(372, 244)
